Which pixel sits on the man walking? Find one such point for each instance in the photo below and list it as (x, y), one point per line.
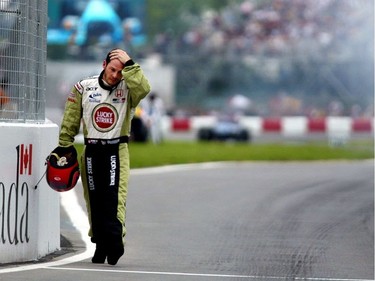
(104, 105)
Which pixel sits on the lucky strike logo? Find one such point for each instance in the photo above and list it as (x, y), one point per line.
(104, 117)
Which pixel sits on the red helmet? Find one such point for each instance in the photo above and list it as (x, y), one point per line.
(62, 168)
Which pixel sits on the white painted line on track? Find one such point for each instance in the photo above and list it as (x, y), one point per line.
(205, 275)
(179, 167)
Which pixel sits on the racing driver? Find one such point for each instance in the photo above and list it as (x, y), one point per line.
(104, 104)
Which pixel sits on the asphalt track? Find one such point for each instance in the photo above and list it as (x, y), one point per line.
(230, 221)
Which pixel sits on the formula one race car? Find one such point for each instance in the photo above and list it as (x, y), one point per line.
(225, 129)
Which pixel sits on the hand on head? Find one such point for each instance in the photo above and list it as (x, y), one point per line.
(119, 54)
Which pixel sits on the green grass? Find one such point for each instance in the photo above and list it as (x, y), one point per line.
(180, 152)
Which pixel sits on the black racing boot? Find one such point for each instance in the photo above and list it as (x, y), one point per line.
(100, 254)
(114, 254)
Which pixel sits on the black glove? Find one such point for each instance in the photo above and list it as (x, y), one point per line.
(63, 156)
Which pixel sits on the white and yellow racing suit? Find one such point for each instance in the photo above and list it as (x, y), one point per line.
(105, 114)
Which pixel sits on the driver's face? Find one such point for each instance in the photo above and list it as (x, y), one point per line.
(112, 72)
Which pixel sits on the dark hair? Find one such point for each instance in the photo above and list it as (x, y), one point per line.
(108, 59)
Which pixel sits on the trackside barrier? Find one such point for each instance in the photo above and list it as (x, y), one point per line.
(294, 125)
(181, 124)
(29, 217)
(272, 125)
(316, 125)
(362, 125)
(338, 130)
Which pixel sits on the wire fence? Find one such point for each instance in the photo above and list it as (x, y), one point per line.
(23, 29)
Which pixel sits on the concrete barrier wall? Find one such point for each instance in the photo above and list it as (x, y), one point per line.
(29, 217)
